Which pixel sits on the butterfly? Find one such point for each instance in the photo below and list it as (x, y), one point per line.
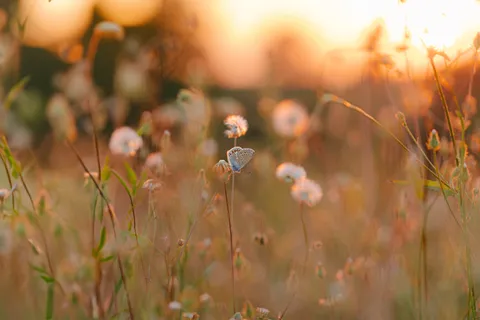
(238, 158)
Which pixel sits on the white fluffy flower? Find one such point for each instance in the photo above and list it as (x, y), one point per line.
(175, 305)
(125, 141)
(290, 172)
(237, 126)
(155, 164)
(307, 191)
(290, 119)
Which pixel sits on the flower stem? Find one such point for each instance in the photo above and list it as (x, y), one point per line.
(231, 246)
(305, 237)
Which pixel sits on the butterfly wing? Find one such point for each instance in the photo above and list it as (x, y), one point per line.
(232, 158)
(239, 157)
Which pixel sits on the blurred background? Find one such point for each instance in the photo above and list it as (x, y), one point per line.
(230, 48)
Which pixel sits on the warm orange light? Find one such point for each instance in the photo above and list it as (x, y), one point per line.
(239, 33)
(129, 12)
(49, 23)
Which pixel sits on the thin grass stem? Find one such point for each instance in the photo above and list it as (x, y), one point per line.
(231, 247)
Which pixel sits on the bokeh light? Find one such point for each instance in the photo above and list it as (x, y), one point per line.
(239, 33)
(129, 12)
(49, 23)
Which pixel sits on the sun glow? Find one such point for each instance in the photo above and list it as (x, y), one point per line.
(239, 43)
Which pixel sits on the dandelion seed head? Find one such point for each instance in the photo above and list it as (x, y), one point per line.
(290, 172)
(191, 315)
(290, 119)
(307, 191)
(175, 306)
(262, 312)
(152, 185)
(155, 164)
(125, 141)
(4, 194)
(237, 126)
(205, 297)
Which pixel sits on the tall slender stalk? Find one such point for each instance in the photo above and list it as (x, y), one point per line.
(305, 261)
(112, 219)
(233, 183)
(349, 105)
(231, 247)
(9, 177)
(444, 105)
(305, 237)
(472, 309)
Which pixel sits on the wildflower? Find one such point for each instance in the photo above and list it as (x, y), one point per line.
(155, 164)
(237, 126)
(262, 313)
(108, 29)
(125, 141)
(290, 172)
(191, 315)
(151, 185)
(307, 191)
(4, 194)
(221, 168)
(433, 142)
(181, 242)
(290, 119)
(205, 297)
(175, 305)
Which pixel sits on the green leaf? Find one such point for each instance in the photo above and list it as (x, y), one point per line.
(15, 91)
(106, 259)
(47, 278)
(101, 244)
(131, 175)
(50, 299)
(15, 166)
(122, 182)
(106, 171)
(39, 269)
(34, 247)
(429, 184)
(145, 129)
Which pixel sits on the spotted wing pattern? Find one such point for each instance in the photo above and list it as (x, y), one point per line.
(238, 157)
